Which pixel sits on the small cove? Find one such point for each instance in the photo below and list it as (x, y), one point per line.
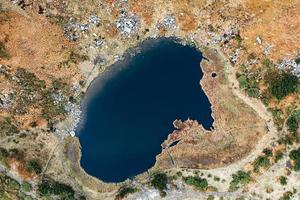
(129, 109)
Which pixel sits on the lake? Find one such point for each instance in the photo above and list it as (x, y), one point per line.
(129, 109)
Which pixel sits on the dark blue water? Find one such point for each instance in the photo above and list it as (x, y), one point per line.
(130, 109)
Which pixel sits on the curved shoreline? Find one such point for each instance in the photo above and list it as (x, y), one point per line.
(97, 187)
(96, 183)
(151, 44)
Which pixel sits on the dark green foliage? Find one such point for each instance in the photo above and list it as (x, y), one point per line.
(287, 140)
(239, 179)
(292, 124)
(278, 156)
(295, 156)
(159, 181)
(261, 161)
(284, 85)
(197, 182)
(283, 180)
(3, 153)
(50, 187)
(293, 121)
(34, 166)
(253, 92)
(268, 152)
(3, 53)
(179, 174)
(8, 127)
(286, 196)
(217, 178)
(297, 60)
(124, 191)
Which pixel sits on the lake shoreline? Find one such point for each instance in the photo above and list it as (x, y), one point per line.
(96, 184)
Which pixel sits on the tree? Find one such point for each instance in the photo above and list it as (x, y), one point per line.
(285, 85)
(197, 182)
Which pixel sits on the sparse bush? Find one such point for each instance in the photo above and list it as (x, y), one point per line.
(295, 156)
(217, 178)
(179, 174)
(239, 179)
(261, 161)
(268, 152)
(293, 121)
(197, 182)
(278, 156)
(34, 166)
(243, 82)
(297, 61)
(57, 84)
(8, 127)
(253, 92)
(159, 181)
(26, 187)
(287, 196)
(283, 180)
(124, 191)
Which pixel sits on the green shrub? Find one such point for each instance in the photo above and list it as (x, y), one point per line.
(57, 84)
(293, 121)
(261, 161)
(50, 187)
(285, 85)
(179, 174)
(26, 187)
(197, 182)
(243, 82)
(292, 124)
(286, 196)
(253, 92)
(295, 156)
(297, 60)
(210, 197)
(268, 152)
(159, 181)
(278, 156)
(239, 179)
(34, 166)
(283, 180)
(124, 191)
